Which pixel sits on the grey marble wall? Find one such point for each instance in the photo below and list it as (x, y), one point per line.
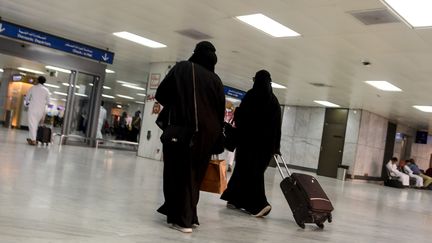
(371, 144)
(302, 129)
(351, 139)
(422, 154)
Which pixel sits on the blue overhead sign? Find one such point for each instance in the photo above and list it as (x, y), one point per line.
(235, 93)
(51, 41)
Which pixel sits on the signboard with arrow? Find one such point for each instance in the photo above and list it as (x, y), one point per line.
(22, 33)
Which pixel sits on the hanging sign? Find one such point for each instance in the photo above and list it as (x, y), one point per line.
(18, 32)
(235, 93)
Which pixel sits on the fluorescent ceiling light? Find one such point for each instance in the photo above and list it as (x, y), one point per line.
(140, 102)
(60, 93)
(132, 87)
(23, 74)
(106, 87)
(416, 13)
(423, 108)
(326, 103)
(82, 95)
(108, 96)
(125, 97)
(139, 39)
(109, 71)
(268, 25)
(124, 82)
(1, 70)
(119, 106)
(277, 86)
(90, 84)
(63, 100)
(58, 69)
(139, 94)
(30, 70)
(383, 85)
(53, 99)
(66, 84)
(52, 85)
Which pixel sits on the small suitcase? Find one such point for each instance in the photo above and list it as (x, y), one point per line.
(43, 135)
(307, 200)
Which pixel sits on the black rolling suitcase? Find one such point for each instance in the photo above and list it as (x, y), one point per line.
(43, 135)
(306, 198)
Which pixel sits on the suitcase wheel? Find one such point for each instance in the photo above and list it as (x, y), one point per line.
(320, 225)
(330, 218)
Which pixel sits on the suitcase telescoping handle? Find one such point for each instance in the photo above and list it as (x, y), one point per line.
(277, 157)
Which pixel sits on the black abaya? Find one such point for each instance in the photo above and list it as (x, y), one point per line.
(258, 120)
(185, 167)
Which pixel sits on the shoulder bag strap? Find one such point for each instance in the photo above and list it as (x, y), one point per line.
(195, 100)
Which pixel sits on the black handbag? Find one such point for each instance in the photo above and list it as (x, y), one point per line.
(177, 134)
(230, 133)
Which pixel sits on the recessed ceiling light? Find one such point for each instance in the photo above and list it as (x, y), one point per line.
(125, 97)
(423, 108)
(268, 25)
(132, 87)
(106, 87)
(140, 102)
(30, 70)
(119, 106)
(277, 86)
(416, 13)
(58, 69)
(52, 85)
(60, 93)
(383, 85)
(326, 103)
(1, 70)
(139, 39)
(109, 71)
(140, 94)
(108, 96)
(124, 82)
(90, 84)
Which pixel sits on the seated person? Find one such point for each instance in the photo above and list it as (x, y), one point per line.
(427, 181)
(392, 169)
(409, 172)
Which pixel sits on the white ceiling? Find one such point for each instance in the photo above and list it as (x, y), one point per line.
(330, 51)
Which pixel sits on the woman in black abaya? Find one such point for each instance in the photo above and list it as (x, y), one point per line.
(258, 122)
(184, 165)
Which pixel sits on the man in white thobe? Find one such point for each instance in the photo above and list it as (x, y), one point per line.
(392, 168)
(37, 98)
(102, 118)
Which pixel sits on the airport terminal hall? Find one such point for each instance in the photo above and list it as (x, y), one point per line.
(215, 121)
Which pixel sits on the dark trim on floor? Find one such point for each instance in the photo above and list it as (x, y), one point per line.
(296, 167)
(366, 178)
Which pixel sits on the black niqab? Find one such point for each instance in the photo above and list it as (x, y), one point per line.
(205, 55)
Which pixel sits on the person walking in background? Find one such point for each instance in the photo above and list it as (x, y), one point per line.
(189, 104)
(101, 120)
(37, 99)
(122, 127)
(258, 121)
(136, 126)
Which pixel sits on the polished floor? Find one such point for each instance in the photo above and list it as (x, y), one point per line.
(77, 194)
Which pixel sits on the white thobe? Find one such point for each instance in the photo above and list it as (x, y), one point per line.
(37, 98)
(392, 168)
(419, 179)
(102, 118)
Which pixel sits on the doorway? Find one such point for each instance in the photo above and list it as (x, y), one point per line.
(332, 143)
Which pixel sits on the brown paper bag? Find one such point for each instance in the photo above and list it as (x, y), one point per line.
(215, 179)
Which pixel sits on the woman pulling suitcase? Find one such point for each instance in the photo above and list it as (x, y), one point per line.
(258, 121)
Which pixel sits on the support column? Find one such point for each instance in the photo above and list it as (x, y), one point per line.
(150, 145)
